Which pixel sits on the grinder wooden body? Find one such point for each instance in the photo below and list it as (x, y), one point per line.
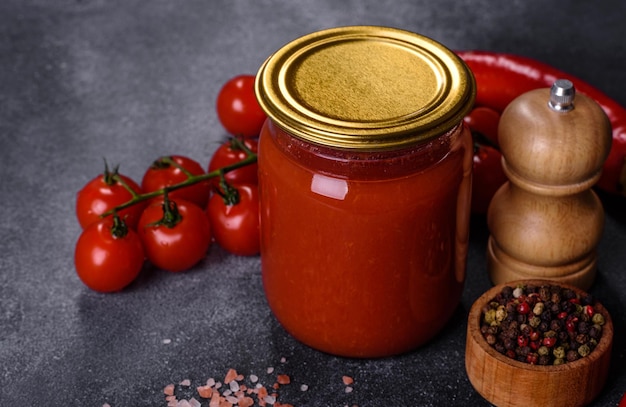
(546, 221)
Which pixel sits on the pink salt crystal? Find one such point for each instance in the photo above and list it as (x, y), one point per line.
(169, 390)
(205, 391)
(246, 402)
(194, 403)
(234, 386)
(215, 400)
(186, 383)
(232, 399)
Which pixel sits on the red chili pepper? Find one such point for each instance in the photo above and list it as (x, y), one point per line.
(500, 78)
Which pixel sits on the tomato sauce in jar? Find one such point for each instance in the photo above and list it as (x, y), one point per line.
(365, 179)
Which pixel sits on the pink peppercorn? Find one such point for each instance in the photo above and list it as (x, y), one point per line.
(523, 308)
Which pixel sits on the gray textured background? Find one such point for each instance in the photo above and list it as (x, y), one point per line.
(132, 80)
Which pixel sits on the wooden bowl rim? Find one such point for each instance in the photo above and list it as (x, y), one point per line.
(603, 345)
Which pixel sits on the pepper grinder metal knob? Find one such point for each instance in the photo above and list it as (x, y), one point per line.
(546, 221)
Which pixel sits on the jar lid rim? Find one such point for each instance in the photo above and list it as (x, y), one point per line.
(365, 87)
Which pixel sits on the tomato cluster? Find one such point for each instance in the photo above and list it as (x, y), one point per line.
(179, 209)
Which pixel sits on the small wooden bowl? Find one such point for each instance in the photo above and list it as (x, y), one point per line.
(507, 382)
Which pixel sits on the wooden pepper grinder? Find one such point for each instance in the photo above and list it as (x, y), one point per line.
(546, 222)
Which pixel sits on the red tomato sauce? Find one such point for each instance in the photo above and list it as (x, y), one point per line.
(363, 254)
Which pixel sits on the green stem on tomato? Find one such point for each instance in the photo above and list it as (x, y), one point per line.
(119, 228)
(251, 158)
(229, 193)
(171, 216)
(170, 161)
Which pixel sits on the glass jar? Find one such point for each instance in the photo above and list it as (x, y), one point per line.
(365, 179)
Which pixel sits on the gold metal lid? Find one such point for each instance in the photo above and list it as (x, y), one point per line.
(365, 87)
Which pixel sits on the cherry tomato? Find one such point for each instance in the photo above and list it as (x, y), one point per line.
(484, 120)
(102, 194)
(230, 153)
(238, 109)
(622, 402)
(236, 226)
(167, 171)
(108, 255)
(176, 234)
(488, 177)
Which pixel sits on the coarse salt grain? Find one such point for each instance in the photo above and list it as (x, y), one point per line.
(254, 378)
(349, 389)
(270, 370)
(205, 391)
(283, 359)
(167, 341)
(194, 403)
(234, 386)
(283, 379)
(304, 387)
(185, 383)
(230, 376)
(168, 390)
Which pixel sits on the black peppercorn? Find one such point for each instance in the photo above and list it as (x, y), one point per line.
(499, 347)
(568, 294)
(595, 331)
(555, 308)
(571, 355)
(582, 338)
(556, 325)
(543, 360)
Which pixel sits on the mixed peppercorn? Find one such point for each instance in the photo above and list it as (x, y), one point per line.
(542, 325)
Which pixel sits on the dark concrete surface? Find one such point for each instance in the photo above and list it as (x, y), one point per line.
(132, 80)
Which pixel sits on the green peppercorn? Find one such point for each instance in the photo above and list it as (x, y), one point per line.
(598, 319)
(534, 321)
(583, 350)
(543, 350)
(558, 361)
(539, 308)
(490, 316)
(500, 313)
(559, 352)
